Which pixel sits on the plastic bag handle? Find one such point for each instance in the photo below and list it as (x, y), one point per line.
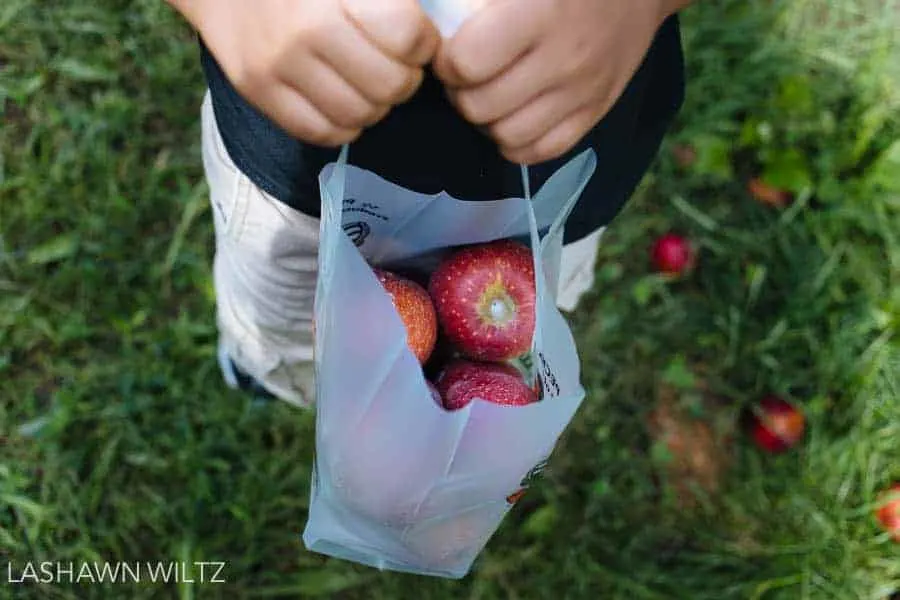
(333, 197)
(539, 281)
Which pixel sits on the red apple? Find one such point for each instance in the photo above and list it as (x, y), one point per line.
(888, 513)
(516, 495)
(685, 155)
(485, 299)
(673, 254)
(464, 380)
(416, 310)
(777, 426)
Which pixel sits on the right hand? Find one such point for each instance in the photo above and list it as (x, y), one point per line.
(322, 69)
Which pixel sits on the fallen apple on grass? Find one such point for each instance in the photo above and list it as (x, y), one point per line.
(777, 425)
(768, 194)
(462, 381)
(888, 512)
(416, 310)
(673, 254)
(685, 155)
(485, 298)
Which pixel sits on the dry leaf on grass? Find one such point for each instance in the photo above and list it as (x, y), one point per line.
(697, 448)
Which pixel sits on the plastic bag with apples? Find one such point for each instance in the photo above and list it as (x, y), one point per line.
(405, 480)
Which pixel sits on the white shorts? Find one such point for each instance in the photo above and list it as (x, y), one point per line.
(264, 274)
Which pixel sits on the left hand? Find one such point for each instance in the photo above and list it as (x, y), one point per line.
(539, 74)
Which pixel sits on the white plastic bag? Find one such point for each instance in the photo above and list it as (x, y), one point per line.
(399, 483)
(449, 15)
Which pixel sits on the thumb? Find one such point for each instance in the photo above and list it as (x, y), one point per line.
(399, 28)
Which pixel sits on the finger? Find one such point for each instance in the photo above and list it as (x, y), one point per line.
(418, 75)
(300, 118)
(399, 28)
(377, 76)
(488, 43)
(330, 93)
(502, 96)
(556, 142)
(536, 118)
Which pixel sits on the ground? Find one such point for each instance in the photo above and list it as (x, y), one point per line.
(118, 441)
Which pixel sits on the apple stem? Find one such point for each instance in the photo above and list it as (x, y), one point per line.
(498, 309)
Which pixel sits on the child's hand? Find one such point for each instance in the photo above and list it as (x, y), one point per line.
(322, 69)
(539, 74)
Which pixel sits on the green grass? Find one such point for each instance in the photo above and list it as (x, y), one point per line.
(118, 440)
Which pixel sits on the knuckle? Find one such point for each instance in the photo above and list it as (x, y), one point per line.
(331, 136)
(412, 83)
(569, 69)
(251, 75)
(518, 155)
(343, 136)
(376, 114)
(318, 133)
(321, 132)
(575, 65)
(372, 113)
(400, 86)
(552, 147)
(470, 105)
(541, 153)
(384, 95)
(508, 134)
(465, 68)
(344, 118)
(408, 32)
(315, 31)
(377, 93)
(354, 114)
(393, 87)
(350, 136)
(579, 61)
(547, 150)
